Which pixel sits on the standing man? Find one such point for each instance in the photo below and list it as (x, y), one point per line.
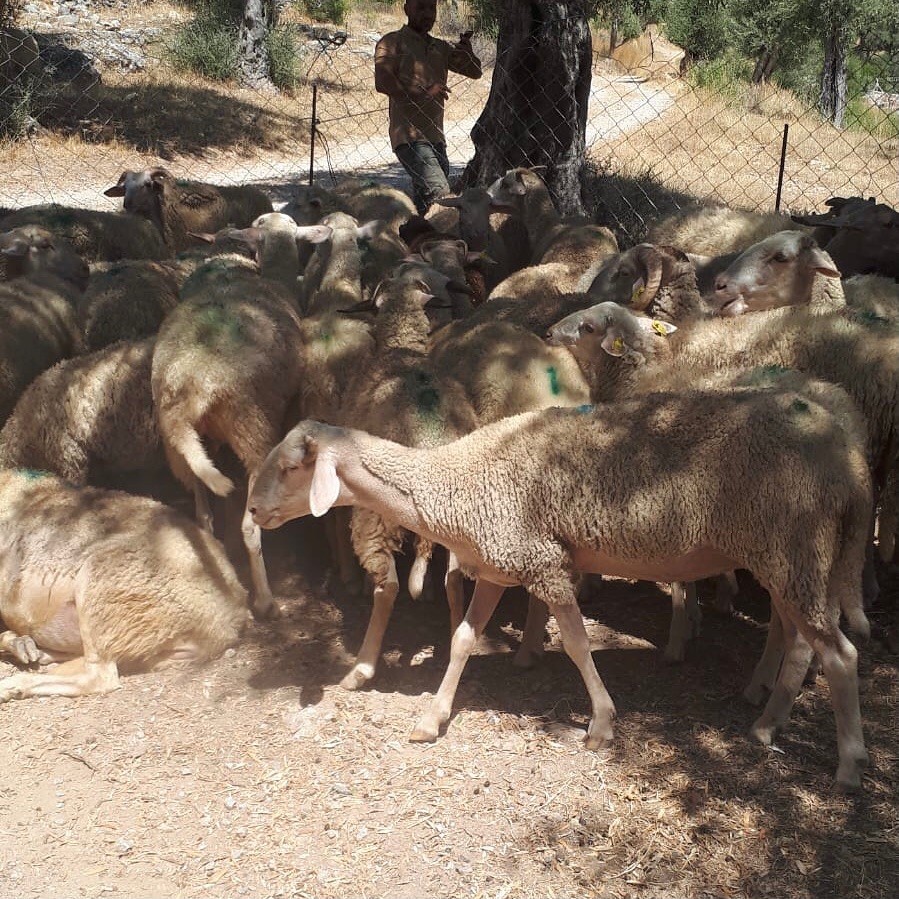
(411, 69)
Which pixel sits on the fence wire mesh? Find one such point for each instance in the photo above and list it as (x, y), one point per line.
(91, 87)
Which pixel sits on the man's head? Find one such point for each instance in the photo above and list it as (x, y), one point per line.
(421, 14)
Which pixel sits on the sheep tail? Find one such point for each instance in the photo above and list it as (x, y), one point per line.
(423, 550)
(185, 441)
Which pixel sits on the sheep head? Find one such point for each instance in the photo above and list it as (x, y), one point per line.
(612, 328)
(299, 477)
(32, 250)
(777, 271)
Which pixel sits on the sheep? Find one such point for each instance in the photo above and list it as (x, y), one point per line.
(403, 397)
(333, 275)
(489, 227)
(785, 269)
(87, 417)
(657, 280)
(38, 325)
(552, 238)
(95, 236)
(862, 235)
(227, 366)
(535, 498)
(126, 301)
(106, 581)
(363, 199)
(176, 208)
(718, 230)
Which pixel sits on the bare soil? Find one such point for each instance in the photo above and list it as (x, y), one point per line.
(258, 776)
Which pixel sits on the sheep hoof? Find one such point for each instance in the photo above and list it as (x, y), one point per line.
(525, 657)
(849, 775)
(26, 651)
(763, 732)
(356, 679)
(593, 742)
(425, 732)
(266, 609)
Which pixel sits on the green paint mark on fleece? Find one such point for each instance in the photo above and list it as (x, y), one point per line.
(869, 318)
(423, 388)
(553, 376)
(765, 374)
(799, 406)
(214, 322)
(33, 474)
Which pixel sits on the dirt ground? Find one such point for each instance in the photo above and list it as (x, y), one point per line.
(258, 776)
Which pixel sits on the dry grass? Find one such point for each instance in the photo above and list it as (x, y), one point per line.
(256, 776)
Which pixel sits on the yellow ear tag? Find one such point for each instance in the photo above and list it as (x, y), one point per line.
(618, 345)
(659, 328)
(637, 293)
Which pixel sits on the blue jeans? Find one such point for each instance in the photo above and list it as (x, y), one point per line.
(428, 166)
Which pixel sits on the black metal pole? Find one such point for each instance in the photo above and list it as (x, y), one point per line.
(312, 131)
(780, 173)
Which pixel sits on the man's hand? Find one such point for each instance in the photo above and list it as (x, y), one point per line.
(465, 40)
(438, 91)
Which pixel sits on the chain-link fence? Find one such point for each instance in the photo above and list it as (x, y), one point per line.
(91, 87)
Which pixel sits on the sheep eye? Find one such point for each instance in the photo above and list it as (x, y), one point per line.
(779, 257)
(586, 326)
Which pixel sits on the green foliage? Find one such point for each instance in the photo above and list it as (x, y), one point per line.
(727, 74)
(18, 112)
(285, 59)
(699, 26)
(485, 19)
(208, 45)
(333, 11)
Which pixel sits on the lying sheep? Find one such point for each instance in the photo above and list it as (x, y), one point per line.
(529, 501)
(177, 208)
(865, 236)
(126, 301)
(105, 581)
(87, 418)
(95, 236)
(38, 324)
(227, 366)
(718, 230)
(401, 396)
(364, 200)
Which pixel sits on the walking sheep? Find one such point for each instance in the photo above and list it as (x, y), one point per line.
(104, 582)
(536, 498)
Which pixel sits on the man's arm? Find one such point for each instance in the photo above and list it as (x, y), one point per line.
(388, 81)
(462, 58)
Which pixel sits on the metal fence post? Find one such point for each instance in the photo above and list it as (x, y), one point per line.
(312, 131)
(780, 171)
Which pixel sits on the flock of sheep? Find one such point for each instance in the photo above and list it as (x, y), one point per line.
(493, 378)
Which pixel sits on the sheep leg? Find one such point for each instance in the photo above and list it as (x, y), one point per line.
(797, 658)
(24, 650)
(384, 596)
(530, 652)
(263, 601)
(342, 550)
(765, 674)
(201, 505)
(574, 638)
(726, 589)
(483, 604)
(455, 591)
(77, 677)
(685, 620)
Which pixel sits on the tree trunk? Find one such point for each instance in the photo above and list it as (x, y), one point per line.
(613, 34)
(252, 50)
(536, 113)
(764, 65)
(833, 78)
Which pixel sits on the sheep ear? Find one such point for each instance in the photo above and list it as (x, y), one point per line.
(118, 189)
(449, 202)
(314, 233)
(368, 230)
(663, 329)
(823, 264)
(325, 485)
(613, 343)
